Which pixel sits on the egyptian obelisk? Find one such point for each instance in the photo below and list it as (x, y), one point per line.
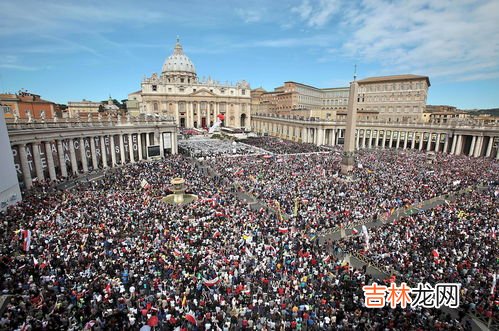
(348, 161)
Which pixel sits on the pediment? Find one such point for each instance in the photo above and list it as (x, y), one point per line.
(203, 93)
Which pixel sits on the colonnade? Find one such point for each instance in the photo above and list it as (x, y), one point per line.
(49, 157)
(481, 142)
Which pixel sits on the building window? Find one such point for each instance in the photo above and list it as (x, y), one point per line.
(193, 90)
(181, 89)
(155, 88)
(155, 106)
(169, 89)
(181, 80)
(243, 92)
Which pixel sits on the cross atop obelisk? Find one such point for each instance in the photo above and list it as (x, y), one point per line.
(348, 160)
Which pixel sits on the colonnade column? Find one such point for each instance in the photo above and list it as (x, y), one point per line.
(377, 138)
(103, 151)
(122, 149)
(28, 181)
(72, 156)
(489, 147)
(364, 136)
(398, 140)
(83, 155)
(478, 146)
(62, 161)
(357, 140)
(139, 141)
(406, 139)
(38, 161)
(421, 141)
(95, 164)
(454, 143)
(459, 144)
(428, 144)
(472, 147)
(413, 140)
(113, 151)
(130, 148)
(437, 143)
(446, 143)
(370, 140)
(50, 160)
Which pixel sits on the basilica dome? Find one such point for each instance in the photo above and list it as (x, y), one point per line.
(178, 64)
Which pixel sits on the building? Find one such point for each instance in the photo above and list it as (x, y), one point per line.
(400, 98)
(193, 103)
(84, 108)
(25, 105)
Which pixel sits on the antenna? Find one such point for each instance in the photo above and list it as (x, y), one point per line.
(355, 72)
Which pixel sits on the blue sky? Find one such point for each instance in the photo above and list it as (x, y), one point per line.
(70, 50)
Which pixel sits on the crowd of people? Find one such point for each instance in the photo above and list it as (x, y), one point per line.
(111, 255)
(311, 188)
(279, 146)
(204, 147)
(451, 243)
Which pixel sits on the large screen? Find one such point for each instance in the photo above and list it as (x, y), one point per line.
(153, 151)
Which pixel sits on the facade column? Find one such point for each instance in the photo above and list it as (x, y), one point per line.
(459, 144)
(376, 140)
(497, 154)
(370, 141)
(406, 139)
(161, 146)
(113, 151)
(320, 136)
(413, 140)
(489, 147)
(95, 163)
(139, 141)
(174, 143)
(122, 149)
(62, 161)
(357, 140)
(472, 147)
(103, 151)
(437, 143)
(38, 161)
(364, 136)
(130, 148)
(478, 146)
(72, 156)
(28, 181)
(398, 140)
(50, 160)
(83, 155)
(391, 139)
(428, 145)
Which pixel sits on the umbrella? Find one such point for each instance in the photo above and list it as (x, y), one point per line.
(191, 319)
(153, 321)
(145, 328)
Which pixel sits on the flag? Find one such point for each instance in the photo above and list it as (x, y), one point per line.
(211, 282)
(391, 279)
(355, 231)
(184, 301)
(26, 235)
(145, 184)
(35, 261)
(283, 230)
(435, 253)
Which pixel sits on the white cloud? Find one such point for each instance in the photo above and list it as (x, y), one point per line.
(451, 39)
(317, 13)
(249, 15)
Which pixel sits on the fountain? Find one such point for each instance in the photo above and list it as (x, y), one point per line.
(179, 197)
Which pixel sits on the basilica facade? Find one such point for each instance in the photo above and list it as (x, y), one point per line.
(177, 92)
